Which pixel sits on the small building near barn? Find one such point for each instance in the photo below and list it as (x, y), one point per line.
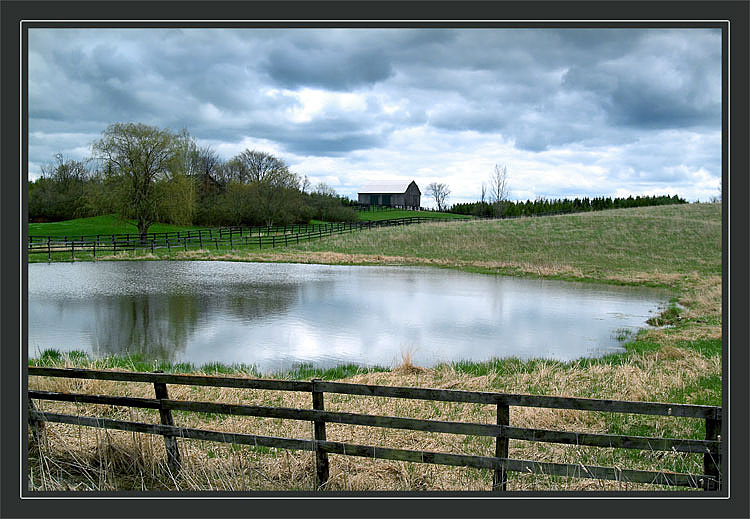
(391, 193)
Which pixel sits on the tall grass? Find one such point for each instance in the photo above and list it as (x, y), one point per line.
(82, 458)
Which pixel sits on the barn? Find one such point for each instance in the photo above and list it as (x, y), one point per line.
(392, 193)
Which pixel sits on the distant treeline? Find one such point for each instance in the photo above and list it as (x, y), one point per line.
(561, 205)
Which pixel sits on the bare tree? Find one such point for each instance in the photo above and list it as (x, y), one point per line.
(66, 170)
(259, 166)
(305, 184)
(499, 191)
(322, 188)
(439, 192)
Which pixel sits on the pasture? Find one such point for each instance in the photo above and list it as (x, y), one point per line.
(678, 247)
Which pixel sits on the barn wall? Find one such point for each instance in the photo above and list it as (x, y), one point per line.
(412, 196)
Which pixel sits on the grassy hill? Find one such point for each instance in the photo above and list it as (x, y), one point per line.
(403, 213)
(615, 245)
(106, 224)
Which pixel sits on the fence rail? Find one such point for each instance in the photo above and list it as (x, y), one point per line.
(223, 238)
(501, 463)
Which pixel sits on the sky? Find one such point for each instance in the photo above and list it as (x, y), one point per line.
(569, 112)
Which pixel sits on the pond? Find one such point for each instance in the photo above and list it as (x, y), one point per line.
(277, 316)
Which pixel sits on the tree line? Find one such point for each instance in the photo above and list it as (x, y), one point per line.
(564, 205)
(148, 174)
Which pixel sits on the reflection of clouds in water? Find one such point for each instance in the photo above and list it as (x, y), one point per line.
(280, 315)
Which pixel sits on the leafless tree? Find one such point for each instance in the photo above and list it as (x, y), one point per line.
(259, 166)
(322, 188)
(439, 192)
(499, 191)
(305, 185)
(66, 170)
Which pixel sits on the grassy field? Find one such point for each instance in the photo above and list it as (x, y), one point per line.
(107, 224)
(112, 224)
(402, 213)
(678, 247)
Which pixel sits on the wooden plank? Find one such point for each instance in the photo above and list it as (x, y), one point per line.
(146, 403)
(526, 466)
(181, 432)
(391, 422)
(169, 378)
(611, 440)
(584, 404)
(446, 395)
(476, 429)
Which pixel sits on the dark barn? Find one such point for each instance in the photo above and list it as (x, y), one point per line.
(392, 193)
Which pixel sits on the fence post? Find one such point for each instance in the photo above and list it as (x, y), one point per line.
(170, 442)
(319, 434)
(37, 426)
(712, 459)
(500, 477)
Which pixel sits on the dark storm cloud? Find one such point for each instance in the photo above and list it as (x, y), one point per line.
(330, 136)
(654, 90)
(539, 89)
(330, 68)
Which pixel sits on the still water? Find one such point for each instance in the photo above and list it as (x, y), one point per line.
(276, 316)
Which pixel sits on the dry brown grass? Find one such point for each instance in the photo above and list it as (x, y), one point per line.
(81, 458)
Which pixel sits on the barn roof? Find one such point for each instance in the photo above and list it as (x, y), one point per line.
(386, 186)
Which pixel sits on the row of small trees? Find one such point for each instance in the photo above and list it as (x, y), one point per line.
(565, 205)
(148, 174)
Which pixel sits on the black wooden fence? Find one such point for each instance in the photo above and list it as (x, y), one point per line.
(501, 464)
(222, 238)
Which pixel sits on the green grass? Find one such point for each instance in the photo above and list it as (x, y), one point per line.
(107, 224)
(135, 362)
(112, 224)
(389, 214)
(602, 245)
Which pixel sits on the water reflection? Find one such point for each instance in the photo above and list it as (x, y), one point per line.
(278, 315)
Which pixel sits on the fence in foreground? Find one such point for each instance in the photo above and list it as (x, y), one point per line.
(501, 464)
(223, 238)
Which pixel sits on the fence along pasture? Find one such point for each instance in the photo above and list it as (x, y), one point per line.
(226, 238)
(501, 464)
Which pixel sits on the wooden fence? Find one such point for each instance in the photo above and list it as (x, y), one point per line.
(501, 464)
(222, 238)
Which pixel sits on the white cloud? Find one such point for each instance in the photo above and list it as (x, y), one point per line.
(570, 112)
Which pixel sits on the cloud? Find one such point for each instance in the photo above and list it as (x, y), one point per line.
(573, 109)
